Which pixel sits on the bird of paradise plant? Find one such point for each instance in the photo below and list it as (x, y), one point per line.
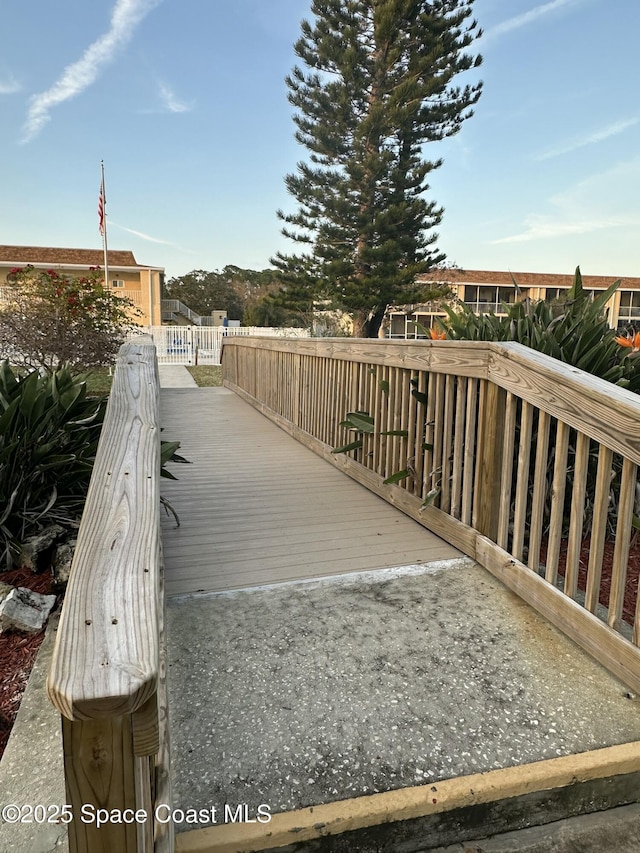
(630, 341)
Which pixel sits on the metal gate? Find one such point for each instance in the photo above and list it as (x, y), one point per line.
(203, 344)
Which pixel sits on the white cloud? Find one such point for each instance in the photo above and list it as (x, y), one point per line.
(10, 86)
(581, 142)
(171, 103)
(78, 76)
(544, 227)
(607, 200)
(147, 237)
(526, 18)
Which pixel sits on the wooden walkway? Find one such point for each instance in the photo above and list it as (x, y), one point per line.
(256, 507)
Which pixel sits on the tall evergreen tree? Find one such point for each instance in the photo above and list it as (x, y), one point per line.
(378, 85)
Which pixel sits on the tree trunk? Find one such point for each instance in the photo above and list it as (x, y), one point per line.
(367, 324)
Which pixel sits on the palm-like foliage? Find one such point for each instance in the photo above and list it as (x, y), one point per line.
(49, 431)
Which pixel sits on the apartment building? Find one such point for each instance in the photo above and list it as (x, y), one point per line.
(485, 291)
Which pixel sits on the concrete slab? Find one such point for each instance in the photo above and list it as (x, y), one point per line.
(175, 376)
(309, 693)
(31, 769)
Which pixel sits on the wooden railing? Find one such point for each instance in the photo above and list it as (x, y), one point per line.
(510, 456)
(107, 673)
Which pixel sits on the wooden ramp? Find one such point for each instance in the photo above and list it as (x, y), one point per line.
(256, 507)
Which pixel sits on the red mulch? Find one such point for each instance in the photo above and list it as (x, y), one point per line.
(18, 653)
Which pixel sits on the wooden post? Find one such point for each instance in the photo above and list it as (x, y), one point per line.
(490, 459)
(99, 770)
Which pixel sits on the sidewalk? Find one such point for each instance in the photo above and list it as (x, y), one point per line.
(312, 696)
(175, 376)
(31, 769)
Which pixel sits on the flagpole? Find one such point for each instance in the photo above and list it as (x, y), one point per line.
(103, 225)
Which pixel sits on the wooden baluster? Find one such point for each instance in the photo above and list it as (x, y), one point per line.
(598, 527)
(490, 460)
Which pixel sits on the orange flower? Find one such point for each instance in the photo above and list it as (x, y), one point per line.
(631, 341)
(437, 334)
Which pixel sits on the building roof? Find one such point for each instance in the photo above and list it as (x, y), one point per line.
(65, 257)
(525, 279)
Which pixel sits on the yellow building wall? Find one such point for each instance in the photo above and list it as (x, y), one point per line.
(141, 286)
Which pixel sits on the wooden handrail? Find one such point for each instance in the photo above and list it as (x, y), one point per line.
(105, 661)
(106, 669)
(603, 411)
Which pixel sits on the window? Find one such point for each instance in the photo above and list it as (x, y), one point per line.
(470, 294)
(552, 293)
(117, 282)
(397, 326)
(629, 306)
(507, 294)
(487, 295)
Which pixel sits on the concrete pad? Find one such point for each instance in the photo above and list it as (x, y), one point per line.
(304, 694)
(175, 376)
(31, 769)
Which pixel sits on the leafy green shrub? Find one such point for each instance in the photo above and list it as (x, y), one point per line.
(49, 431)
(49, 319)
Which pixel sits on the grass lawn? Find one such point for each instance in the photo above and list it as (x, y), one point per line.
(207, 375)
(99, 381)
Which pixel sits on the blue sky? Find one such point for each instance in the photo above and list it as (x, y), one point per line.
(185, 102)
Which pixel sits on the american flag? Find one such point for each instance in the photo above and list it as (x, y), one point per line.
(101, 204)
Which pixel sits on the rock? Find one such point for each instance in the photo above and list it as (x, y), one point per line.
(62, 557)
(35, 550)
(25, 611)
(5, 589)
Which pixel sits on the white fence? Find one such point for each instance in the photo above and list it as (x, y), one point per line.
(203, 344)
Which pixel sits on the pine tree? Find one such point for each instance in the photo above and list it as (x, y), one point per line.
(378, 86)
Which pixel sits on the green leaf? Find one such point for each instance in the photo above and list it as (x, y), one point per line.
(167, 449)
(7, 416)
(384, 385)
(397, 477)
(401, 432)
(53, 497)
(354, 445)
(7, 510)
(361, 421)
(430, 498)
(58, 461)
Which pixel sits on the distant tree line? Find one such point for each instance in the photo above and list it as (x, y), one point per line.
(251, 296)
(260, 298)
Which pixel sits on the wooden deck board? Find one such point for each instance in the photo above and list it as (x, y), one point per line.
(256, 507)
